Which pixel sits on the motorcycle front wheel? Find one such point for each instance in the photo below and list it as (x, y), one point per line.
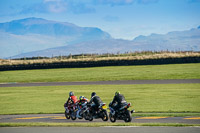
(112, 118)
(67, 115)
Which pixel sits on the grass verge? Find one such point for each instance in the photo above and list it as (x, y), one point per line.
(91, 124)
(146, 72)
(170, 98)
(166, 114)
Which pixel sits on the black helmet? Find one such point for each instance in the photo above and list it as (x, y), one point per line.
(71, 93)
(117, 93)
(93, 94)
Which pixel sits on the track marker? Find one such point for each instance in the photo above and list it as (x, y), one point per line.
(193, 118)
(59, 118)
(27, 118)
(30, 118)
(151, 118)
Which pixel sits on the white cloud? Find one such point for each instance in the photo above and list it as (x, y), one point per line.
(77, 6)
(59, 6)
(56, 6)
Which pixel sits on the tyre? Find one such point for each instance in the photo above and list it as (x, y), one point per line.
(112, 118)
(128, 117)
(90, 118)
(73, 115)
(67, 115)
(104, 115)
(81, 116)
(86, 115)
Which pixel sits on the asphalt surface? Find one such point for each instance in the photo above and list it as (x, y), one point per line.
(169, 81)
(60, 118)
(100, 130)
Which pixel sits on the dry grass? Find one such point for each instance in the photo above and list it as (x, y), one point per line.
(156, 55)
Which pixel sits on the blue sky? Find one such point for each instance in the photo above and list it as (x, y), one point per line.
(124, 19)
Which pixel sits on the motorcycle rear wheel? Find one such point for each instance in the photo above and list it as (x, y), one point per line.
(86, 116)
(73, 115)
(90, 117)
(104, 115)
(128, 117)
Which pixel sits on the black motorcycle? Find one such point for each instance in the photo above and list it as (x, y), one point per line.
(101, 112)
(122, 114)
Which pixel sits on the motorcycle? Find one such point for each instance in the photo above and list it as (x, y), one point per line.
(100, 112)
(122, 114)
(82, 110)
(70, 112)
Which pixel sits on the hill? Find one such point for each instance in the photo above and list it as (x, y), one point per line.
(32, 37)
(32, 34)
(188, 40)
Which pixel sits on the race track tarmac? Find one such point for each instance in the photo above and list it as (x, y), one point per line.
(168, 81)
(60, 118)
(100, 129)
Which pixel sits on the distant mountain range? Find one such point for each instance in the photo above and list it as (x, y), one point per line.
(32, 34)
(39, 37)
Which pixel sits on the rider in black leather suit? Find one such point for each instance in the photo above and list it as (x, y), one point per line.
(96, 100)
(119, 100)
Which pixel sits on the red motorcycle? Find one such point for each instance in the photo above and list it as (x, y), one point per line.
(70, 112)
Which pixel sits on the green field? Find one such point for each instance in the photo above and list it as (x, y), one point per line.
(147, 99)
(173, 71)
(144, 98)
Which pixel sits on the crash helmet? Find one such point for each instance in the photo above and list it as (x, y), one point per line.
(117, 93)
(81, 97)
(93, 94)
(71, 93)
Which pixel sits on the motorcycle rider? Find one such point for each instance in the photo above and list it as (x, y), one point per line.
(81, 103)
(119, 100)
(71, 100)
(95, 101)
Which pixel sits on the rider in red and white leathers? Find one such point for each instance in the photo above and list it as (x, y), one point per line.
(82, 102)
(72, 100)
